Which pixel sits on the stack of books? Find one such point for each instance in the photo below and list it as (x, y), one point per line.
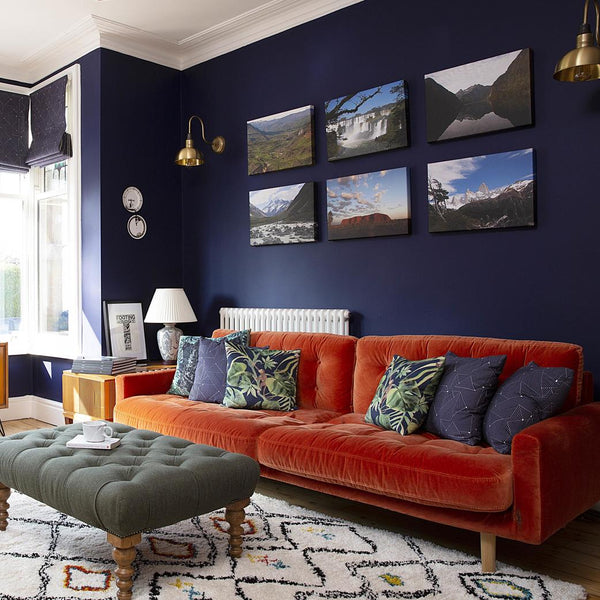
(104, 365)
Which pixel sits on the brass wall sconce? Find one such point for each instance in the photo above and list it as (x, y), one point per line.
(583, 63)
(192, 157)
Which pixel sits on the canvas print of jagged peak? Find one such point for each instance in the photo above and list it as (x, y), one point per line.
(493, 191)
(281, 141)
(283, 215)
(483, 96)
(365, 122)
(368, 205)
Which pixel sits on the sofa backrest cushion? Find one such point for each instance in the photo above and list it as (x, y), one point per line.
(374, 354)
(326, 365)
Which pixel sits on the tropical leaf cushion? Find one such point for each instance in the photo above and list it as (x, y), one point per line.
(529, 395)
(404, 394)
(260, 378)
(463, 397)
(187, 360)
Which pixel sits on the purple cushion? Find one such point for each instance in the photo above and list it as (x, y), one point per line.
(462, 397)
(529, 395)
(210, 379)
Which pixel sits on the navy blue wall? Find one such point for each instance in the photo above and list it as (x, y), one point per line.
(532, 283)
(130, 119)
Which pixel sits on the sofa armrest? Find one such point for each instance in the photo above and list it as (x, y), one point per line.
(145, 383)
(555, 466)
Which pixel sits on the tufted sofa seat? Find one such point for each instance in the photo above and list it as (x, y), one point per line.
(106, 489)
(326, 445)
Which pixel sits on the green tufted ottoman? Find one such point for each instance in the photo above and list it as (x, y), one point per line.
(149, 481)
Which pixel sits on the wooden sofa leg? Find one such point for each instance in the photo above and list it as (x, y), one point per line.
(235, 515)
(123, 554)
(4, 506)
(488, 552)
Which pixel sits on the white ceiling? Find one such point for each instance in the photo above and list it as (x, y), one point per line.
(39, 36)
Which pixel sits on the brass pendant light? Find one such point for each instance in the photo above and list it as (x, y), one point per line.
(192, 157)
(583, 63)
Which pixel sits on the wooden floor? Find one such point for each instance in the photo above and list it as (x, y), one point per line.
(572, 554)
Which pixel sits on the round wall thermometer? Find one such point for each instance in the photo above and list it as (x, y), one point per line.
(132, 199)
(136, 226)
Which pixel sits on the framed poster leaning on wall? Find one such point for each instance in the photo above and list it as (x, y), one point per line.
(124, 329)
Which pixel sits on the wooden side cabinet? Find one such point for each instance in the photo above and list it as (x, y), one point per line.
(87, 395)
(4, 375)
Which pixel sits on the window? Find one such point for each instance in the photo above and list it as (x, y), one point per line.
(40, 296)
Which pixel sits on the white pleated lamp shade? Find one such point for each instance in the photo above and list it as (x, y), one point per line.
(170, 305)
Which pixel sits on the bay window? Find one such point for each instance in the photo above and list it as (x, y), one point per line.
(40, 282)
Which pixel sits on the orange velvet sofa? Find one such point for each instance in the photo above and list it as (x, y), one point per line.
(326, 445)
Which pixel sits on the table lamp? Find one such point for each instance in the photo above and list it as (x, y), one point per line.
(169, 306)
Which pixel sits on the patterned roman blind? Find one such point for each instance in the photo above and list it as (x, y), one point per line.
(14, 131)
(50, 141)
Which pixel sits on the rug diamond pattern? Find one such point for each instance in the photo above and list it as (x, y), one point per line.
(288, 554)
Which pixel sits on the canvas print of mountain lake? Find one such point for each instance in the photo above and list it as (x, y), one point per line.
(368, 205)
(281, 141)
(482, 96)
(369, 121)
(482, 192)
(283, 215)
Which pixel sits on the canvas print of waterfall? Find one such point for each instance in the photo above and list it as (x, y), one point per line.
(368, 205)
(482, 192)
(283, 215)
(368, 121)
(487, 95)
(281, 141)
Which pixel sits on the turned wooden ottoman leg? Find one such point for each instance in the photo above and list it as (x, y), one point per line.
(4, 506)
(124, 553)
(235, 515)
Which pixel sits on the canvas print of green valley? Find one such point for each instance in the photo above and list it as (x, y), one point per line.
(483, 96)
(281, 141)
(482, 192)
(283, 215)
(369, 121)
(368, 205)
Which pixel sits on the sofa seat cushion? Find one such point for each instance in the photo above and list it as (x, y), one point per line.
(213, 424)
(418, 467)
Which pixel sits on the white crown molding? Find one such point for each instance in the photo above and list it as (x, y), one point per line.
(96, 32)
(266, 20)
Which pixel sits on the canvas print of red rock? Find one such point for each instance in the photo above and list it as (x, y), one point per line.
(483, 96)
(365, 122)
(492, 191)
(368, 205)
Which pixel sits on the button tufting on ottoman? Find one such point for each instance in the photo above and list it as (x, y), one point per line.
(149, 481)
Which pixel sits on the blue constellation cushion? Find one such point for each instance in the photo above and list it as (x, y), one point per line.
(528, 396)
(404, 393)
(462, 397)
(210, 379)
(187, 361)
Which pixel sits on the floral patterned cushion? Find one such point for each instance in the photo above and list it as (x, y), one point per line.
(404, 394)
(261, 378)
(187, 360)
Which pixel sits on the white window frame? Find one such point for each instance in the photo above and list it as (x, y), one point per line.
(30, 339)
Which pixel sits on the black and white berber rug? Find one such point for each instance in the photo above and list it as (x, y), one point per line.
(289, 553)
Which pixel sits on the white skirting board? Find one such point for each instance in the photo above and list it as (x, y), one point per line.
(33, 407)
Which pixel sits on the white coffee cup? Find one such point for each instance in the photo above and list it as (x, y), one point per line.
(96, 431)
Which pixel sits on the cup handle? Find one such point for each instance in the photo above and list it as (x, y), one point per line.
(108, 432)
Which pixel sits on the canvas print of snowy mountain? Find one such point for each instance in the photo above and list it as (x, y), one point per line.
(283, 215)
(281, 141)
(368, 205)
(482, 192)
(487, 95)
(369, 121)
